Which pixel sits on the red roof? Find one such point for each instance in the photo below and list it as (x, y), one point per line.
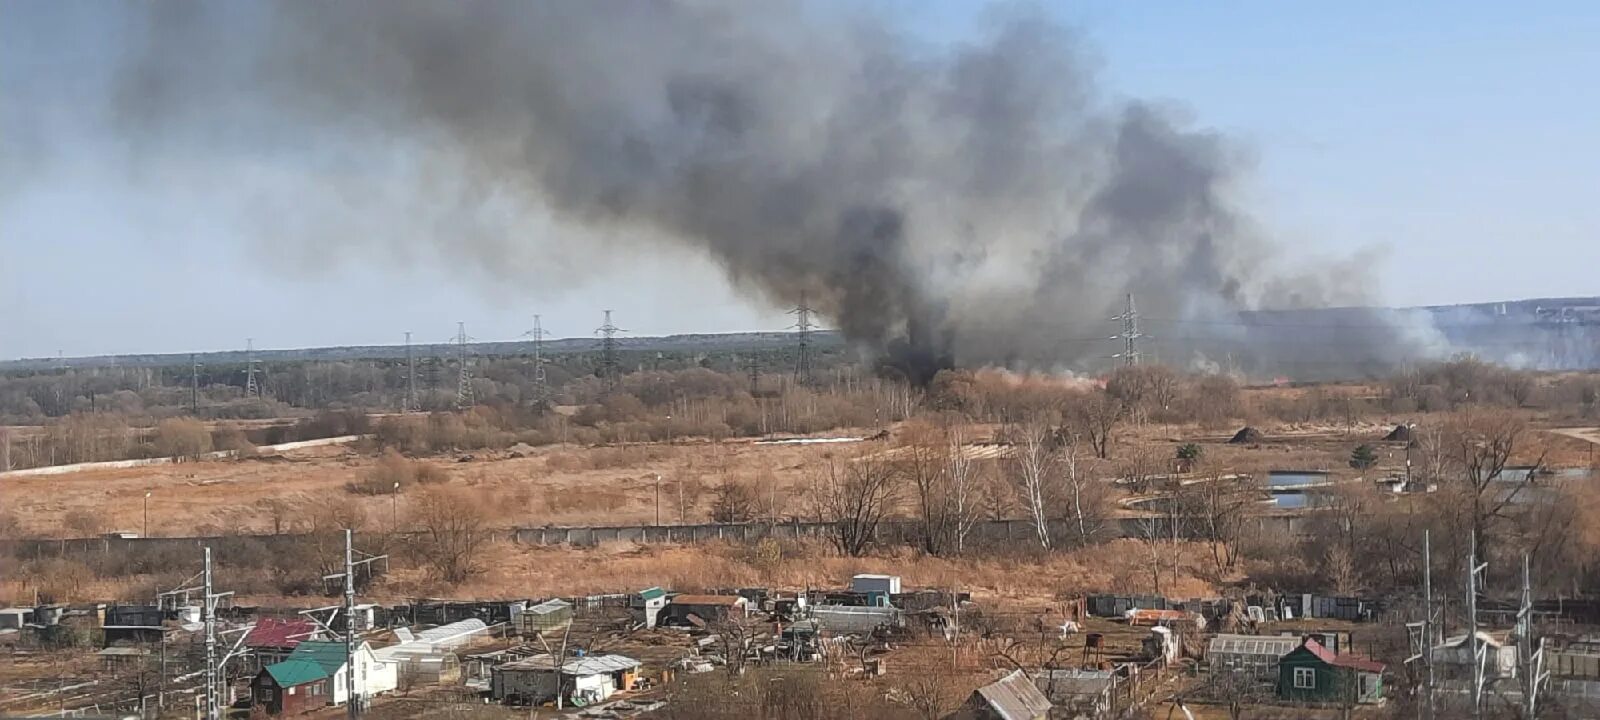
(280, 632)
(1344, 661)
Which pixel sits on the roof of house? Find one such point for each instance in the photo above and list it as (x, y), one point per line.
(454, 633)
(548, 606)
(580, 666)
(292, 672)
(1483, 637)
(1014, 697)
(280, 632)
(1344, 661)
(328, 655)
(727, 600)
(1063, 682)
(652, 593)
(1270, 645)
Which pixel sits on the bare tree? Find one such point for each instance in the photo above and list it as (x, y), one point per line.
(1477, 448)
(855, 498)
(453, 529)
(965, 493)
(921, 459)
(1086, 495)
(1094, 415)
(1035, 471)
(734, 501)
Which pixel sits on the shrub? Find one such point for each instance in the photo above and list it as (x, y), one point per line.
(394, 470)
(182, 438)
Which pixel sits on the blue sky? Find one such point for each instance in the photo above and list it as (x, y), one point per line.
(1460, 141)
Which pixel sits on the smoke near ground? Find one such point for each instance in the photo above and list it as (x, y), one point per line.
(981, 202)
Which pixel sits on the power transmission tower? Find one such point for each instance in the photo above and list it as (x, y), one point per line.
(1130, 332)
(1528, 650)
(251, 388)
(752, 365)
(411, 377)
(608, 353)
(540, 388)
(464, 396)
(355, 701)
(802, 328)
(194, 385)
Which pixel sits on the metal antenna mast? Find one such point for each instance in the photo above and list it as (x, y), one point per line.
(411, 377)
(1531, 653)
(464, 396)
(1130, 332)
(608, 352)
(251, 388)
(802, 328)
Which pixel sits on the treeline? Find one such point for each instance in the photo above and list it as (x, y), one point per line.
(32, 397)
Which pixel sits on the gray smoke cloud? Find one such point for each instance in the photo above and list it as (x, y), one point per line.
(979, 202)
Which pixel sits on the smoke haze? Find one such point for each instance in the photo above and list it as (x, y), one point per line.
(977, 203)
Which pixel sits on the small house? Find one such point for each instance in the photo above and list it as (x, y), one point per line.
(1453, 659)
(579, 681)
(372, 677)
(1255, 655)
(1312, 673)
(647, 604)
(548, 617)
(272, 639)
(1013, 697)
(292, 687)
(687, 609)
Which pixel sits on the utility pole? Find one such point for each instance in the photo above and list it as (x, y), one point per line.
(213, 706)
(1130, 333)
(802, 328)
(411, 377)
(1479, 650)
(1530, 652)
(608, 353)
(1423, 644)
(658, 499)
(464, 395)
(353, 696)
(752, 366)
(194, 385)
(208, 608)
(251, 387)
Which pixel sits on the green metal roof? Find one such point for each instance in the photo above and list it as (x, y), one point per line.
(292, 672)
(652, 593)
(327, 655)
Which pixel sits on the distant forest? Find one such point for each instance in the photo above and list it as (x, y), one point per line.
(300, 382)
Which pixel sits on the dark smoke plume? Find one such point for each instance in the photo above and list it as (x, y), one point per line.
(973, 203)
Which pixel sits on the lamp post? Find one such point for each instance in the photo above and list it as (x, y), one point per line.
(146, 531)
(394, 508)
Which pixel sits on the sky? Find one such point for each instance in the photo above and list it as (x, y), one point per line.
(1454, 142)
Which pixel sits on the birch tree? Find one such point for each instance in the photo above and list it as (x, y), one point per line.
(1035, 472)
